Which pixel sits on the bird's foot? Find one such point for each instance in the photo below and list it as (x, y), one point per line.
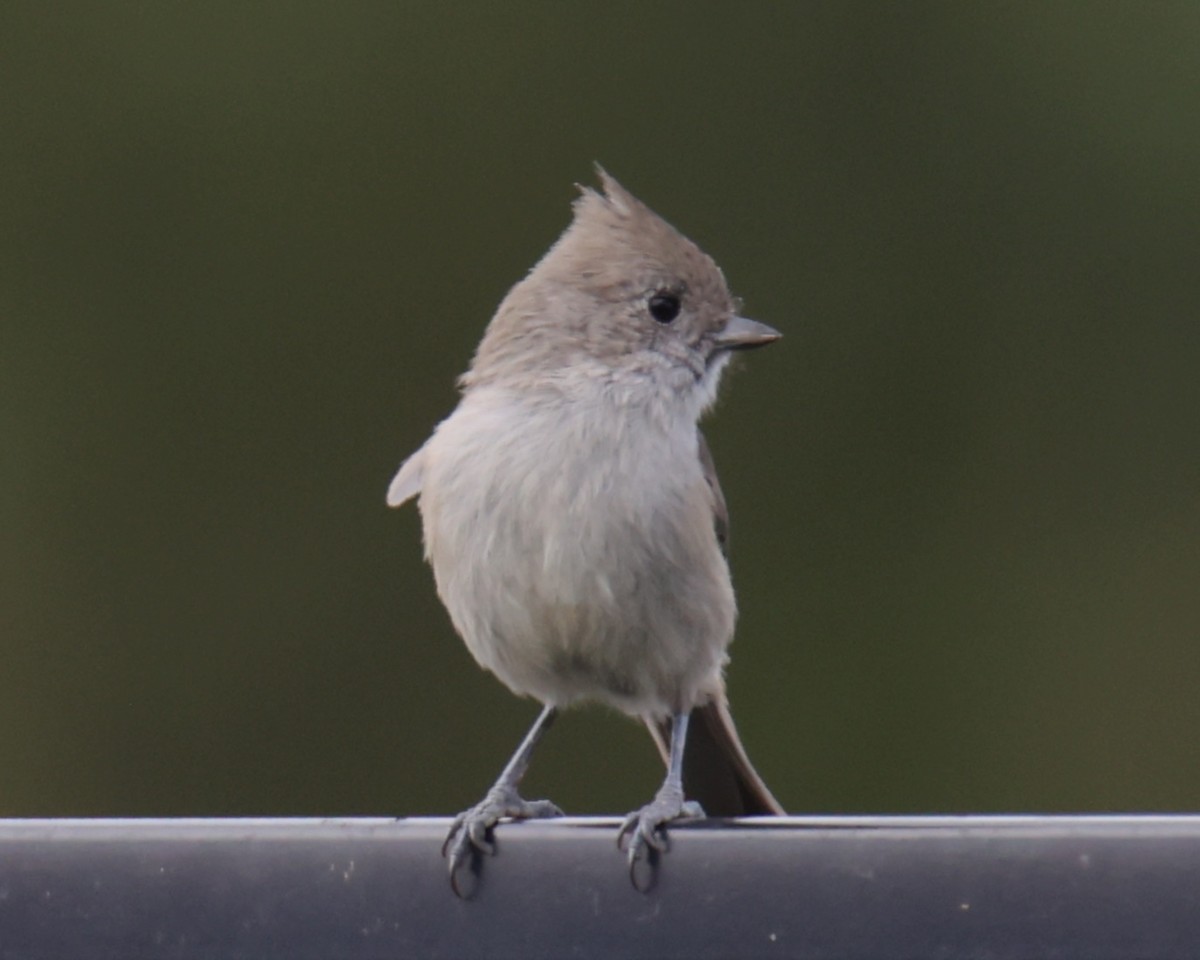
(471, 832)
(643, 830)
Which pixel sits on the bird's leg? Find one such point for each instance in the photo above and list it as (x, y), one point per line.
(471, 831)
(644, 827)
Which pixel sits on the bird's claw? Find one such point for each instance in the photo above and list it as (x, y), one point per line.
(643, 830)
(471, 832)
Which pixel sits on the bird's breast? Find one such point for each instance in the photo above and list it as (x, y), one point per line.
(573, 546)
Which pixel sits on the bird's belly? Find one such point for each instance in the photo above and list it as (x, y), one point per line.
(560, 622)
(600, 579)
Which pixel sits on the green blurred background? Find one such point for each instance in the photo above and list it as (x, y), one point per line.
(246, 248)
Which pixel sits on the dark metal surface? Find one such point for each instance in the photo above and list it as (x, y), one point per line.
(880, 888)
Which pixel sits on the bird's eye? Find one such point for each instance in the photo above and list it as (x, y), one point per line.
(664, 307)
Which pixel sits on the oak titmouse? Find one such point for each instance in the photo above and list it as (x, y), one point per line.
(572, 513)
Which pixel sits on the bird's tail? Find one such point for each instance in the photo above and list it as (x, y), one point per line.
(716, 771)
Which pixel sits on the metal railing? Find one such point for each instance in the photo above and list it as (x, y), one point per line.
(815, 887)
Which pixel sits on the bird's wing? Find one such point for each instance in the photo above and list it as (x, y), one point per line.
(720, 511)
(407, 482)
(716, 770)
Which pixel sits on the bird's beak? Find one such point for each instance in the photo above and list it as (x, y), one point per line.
(741, 333)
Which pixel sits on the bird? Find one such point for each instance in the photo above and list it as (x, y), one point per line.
(573, 518)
